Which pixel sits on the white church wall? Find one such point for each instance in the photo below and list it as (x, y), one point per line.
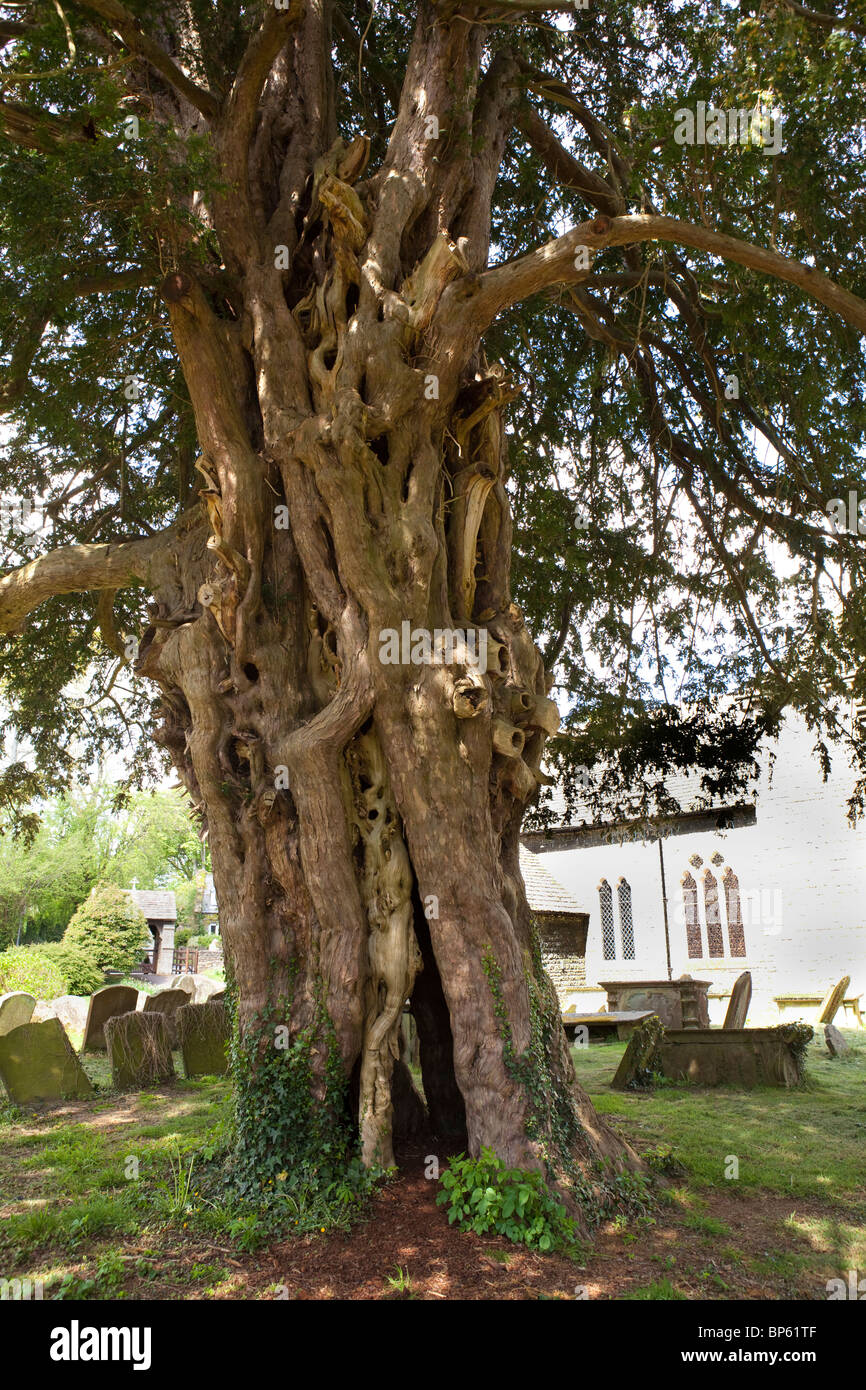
(801, 876)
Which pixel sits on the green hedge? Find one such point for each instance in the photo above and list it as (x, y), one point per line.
(34, 969)
(79, 972)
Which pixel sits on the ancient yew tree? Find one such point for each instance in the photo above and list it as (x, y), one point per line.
(305, 309)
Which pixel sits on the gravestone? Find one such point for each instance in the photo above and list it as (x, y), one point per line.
(203, 1033)
(216, 998)
(740, 1057)
(167, 1002)
(71, 1009)
(37, 1063)
(105, 1004)
(638, 1062)
(16, 1009)
(833, 1000)
(741, 998)
(836, 1044)
(140, 1050)
(184, 982)
(199, 988)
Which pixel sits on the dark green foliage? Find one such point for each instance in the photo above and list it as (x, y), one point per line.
(80, 973)
(109, 929)
(701, 564)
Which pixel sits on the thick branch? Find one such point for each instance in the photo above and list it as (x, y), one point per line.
(554, 263)
(567, 170)
(137, 41)
(76, 569)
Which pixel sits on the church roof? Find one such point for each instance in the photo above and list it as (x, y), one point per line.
(157, 905)
(545, 893)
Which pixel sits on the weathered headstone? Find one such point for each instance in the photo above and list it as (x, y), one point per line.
(71, 1009)
(217, 998)
(105, 1004)
(203, 1033)
(199, 987)
(140, 1050)
(37, 1063)
(833, 1000)
(741, 998)
(836, 1044)
(167, 1002)
(16, 1009)
(184, 982)
(638, 1062)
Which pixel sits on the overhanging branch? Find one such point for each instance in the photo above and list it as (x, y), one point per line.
(555, 263)
(76, 569)
(128, 27)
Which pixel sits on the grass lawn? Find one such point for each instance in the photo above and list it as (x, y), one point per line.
(765, 1198)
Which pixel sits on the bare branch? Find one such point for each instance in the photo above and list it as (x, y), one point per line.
(567, 170)
(827, 21)
(554, 263)
(76, 569)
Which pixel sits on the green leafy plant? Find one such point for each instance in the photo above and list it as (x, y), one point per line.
(484, 1196)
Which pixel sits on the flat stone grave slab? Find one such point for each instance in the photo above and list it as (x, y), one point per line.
(599, 1026)
(139, 1046)
(37, 1063)
(741, 1057)
(203, 1032)
(105, 1004)
(16, 1009)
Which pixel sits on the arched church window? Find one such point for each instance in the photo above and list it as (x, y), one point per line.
(626, 921)
(712, 909)
(693, 921)
(736, 930)
(608, 934)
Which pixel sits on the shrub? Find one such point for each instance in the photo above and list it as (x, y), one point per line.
(109, 928)
(79, 972)
(204, 942)
(486, 1197)
(31, 968)
(182, 936)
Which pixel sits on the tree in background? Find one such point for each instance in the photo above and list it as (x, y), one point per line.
(321, 329)
(109, 929)
(90, 835)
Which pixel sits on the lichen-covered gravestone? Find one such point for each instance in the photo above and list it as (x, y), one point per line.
(833, 999)
(37, 1063)
(167, 1002)
(741, 998)
(16, 1009)
(638, 1062)
(139, 1046)
(105, 1004)
(203, 1033)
